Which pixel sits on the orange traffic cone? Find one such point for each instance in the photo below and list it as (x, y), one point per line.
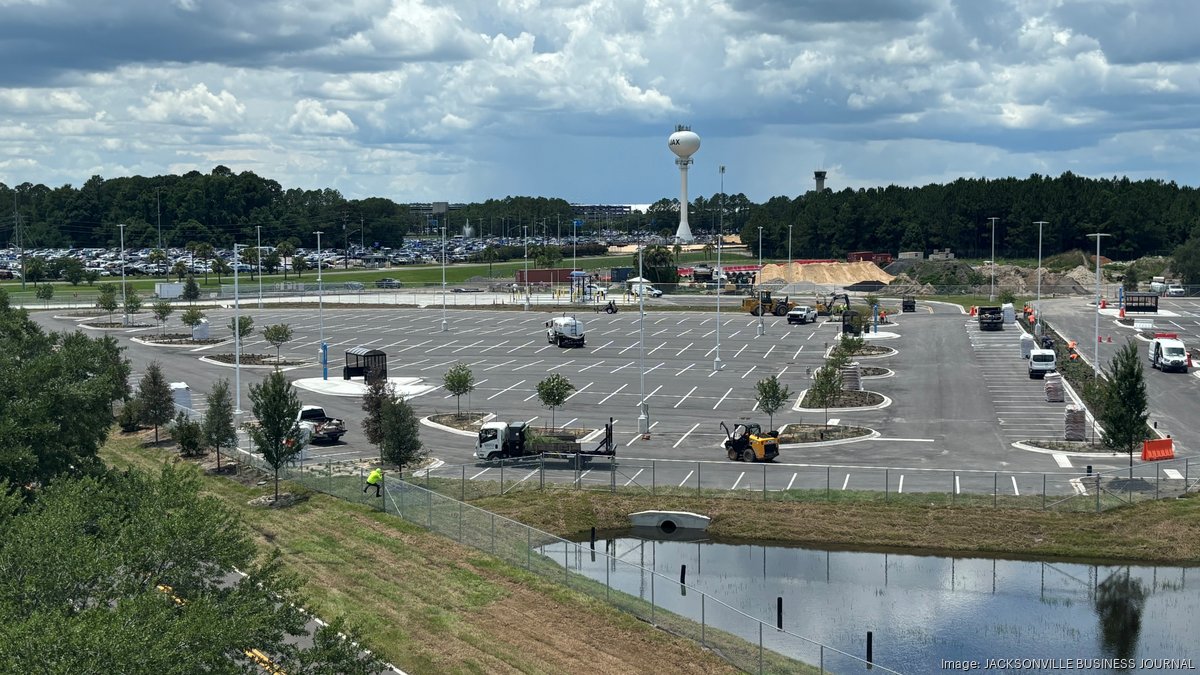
(1122, 312)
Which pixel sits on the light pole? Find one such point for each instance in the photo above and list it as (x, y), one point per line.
(525, 229)
(717, 365)
(445, 326)
(1096, 363)
(324, 355)
(1037, 326)
(992, 293)
(237, 334)
(258, 258)
(124, 304)
(762, 326)
(790, 263)
(643, 409)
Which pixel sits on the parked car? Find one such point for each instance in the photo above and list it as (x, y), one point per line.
(802, 314)
(388, 282)
(1176, 290)
(650, 291)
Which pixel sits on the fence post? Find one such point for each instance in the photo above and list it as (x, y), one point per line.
(529, 548)
(828, 493)
(653, 467)
(1097, 493)
(567, 563)
(760, 649)
(698, 479)
(463, 485)
(493, 534)
(653, 605)
(329, 477)
(402, 498)
(460, 519)
(542, 471)
(886, 483)
(995, 487)
(764, 482)
(501, 493)
(612, 475)
(1157, 481)
(703, 631)
(1185, 473)
(1043, 492)
(578, 478)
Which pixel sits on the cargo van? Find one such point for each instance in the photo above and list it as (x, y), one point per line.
(1166, 352)
(650, 291)
(1041, 361)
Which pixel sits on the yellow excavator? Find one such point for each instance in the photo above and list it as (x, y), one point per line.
(833, 304)
(748, 443)
(762, 303)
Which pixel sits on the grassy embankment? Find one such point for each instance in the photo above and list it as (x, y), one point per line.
(428, 604)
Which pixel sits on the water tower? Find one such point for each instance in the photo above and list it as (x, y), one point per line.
(684, 143)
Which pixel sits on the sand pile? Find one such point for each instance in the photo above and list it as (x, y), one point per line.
(1024, 281)
(829, 274)
(903, 284)
(1083, 275)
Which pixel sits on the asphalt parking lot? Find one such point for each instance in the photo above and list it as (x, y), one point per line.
(958, 397)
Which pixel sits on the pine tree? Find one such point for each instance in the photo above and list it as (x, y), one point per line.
(1126, 406)
(378, 392)
(401, 443)
(188, 435)
(155, 403)
(277, 435)
(191, 289)
(219, 429)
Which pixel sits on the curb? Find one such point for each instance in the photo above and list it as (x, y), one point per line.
(886, 402)
(1020, 445)
(214, 362)
(890, 373)
(442, 427)
(841, 441)
(175, 345)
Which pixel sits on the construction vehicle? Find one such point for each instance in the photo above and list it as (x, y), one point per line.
(991, 318)
(836, 302)
(502, 440)
(748, 443)
(762, 303)
(851, 323)
(565, 331)
(908, 304)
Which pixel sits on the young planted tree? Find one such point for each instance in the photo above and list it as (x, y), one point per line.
(107, 300)
(277, 436)
(44, 293)
(162, 309)
(191, 318)
(401, 433)
(271, 262)
(553, 392)
(827, 383)
(91, 277)
(219, 429)
(188, 435)
(241, 327)
(1126, 407)
(459, 380)
(378, 392)
(277, 335)
(191, 289)
(771, 395)
(133, 301)
(155, 403)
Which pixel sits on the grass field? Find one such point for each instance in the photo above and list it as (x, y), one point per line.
(430, 605)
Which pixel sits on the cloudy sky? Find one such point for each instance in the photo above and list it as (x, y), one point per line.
(464, 100)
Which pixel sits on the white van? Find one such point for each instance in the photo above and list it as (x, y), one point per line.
(1041, 361)
(650, 291)
(1166, 352)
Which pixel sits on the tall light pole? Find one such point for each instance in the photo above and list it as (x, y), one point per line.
(790, 265)
(258, 259)
(237, 334)
(1096, 363)
(124, 304)
(1037, 326)
(992, 293)
(643, 408)
(445, 325)
(158, 210)
(717, 365)
(525, 229)
(762, 326)
(324, 355)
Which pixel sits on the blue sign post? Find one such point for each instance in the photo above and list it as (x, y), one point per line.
(324, 360)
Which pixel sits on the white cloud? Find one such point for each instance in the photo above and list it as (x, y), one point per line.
(310, 117)
(190, 106)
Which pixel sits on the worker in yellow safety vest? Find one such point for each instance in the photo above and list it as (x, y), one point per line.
(375, 478)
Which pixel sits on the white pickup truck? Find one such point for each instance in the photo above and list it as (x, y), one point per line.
(802, 314)
(319, 427)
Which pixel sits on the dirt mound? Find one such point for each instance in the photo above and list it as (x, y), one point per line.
(831, 274)
(903, 284)
(1024, 281)
(1083, 275)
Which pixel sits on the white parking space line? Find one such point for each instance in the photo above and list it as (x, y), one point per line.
(639, 436)
(627, 349)
(578, 391)
(1015, 490)
(603, 345)
(530, 397)
(846, 482)
(1063, 461)
(653, 392)
(810, 335)
(738, 481)
(723, 398)
(506, 389)
(656, 349)
(519, 347)
(749, 371)
(634, 477)
(621, 367)
(473, 344)
(681, 351)
(739, 352)
(769, 351)
(539, 351)
(684, 370)
(591, 366)
(1172, 474)
(528, 364)
(655, 368)
(683, 437)
(567, 424)
(503, 363)
(685, 397)
(564, 363)
(797, 354)
(582, 476)
(531, 474)
(437, 365)
(605, 399)
(685, 478)
(789, 485)
(480, 473)
(735, 334)
(659, 332)
(493, 347)
(782, 371)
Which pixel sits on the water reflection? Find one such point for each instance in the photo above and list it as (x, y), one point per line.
(922, 609)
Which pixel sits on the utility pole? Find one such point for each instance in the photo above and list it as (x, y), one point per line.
(237, 332)
(992, 295)
(158, 210)
(717, 365)
(124, 306)
(258, 260)
(20, 244)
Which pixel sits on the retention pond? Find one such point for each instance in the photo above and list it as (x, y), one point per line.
(926, 613)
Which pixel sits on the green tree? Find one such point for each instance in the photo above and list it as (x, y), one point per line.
(107, 300)
(277, 335)
(300, 265)
(658, 265)
(191, 318)
(221, 267)
(162, 309)
(91, 277)
(1130, 280)
(489, 256)
(155, 401)
(827, 382)
(241, 327)
(277, 435)
(553, 392)
(1186, 261)
(271, 262)
(401, 433)
(55, 398)
(92, 565)
(36, 270)
(188, 435)
(286, 250)
(1125, 409)
(191, 289)
(459, 380)
(1007, 297)
(771, 395)
(205, 253)
(72, 271)
(219, 429)
(546, 256)
(130, 418)
(179, 270)
(133, 301)
(158, 258)
(377, 393)
(44, 293)
(250, 256)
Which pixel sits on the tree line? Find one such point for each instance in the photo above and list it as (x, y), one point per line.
(1145, 216)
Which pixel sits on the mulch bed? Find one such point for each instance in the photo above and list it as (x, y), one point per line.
(815, 433)
(117, 324)
(874, 350)
(464, 422)
(846, 399)
(256, 360)
(1067, 446)
(872, 371)
(179, 339)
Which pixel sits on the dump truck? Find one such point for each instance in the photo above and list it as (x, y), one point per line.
(991, 318)
(762, 303)
(748, 443)
(319, 427)
(504, 440)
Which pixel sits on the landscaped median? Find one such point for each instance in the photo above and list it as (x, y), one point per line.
(428, 604)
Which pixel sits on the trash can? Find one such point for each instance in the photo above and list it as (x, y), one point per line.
(1010, 312)
(1026, 345)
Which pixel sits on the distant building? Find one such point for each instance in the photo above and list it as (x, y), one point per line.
(944, 254)
(912, 255)
(601, 211)
(870, 256)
